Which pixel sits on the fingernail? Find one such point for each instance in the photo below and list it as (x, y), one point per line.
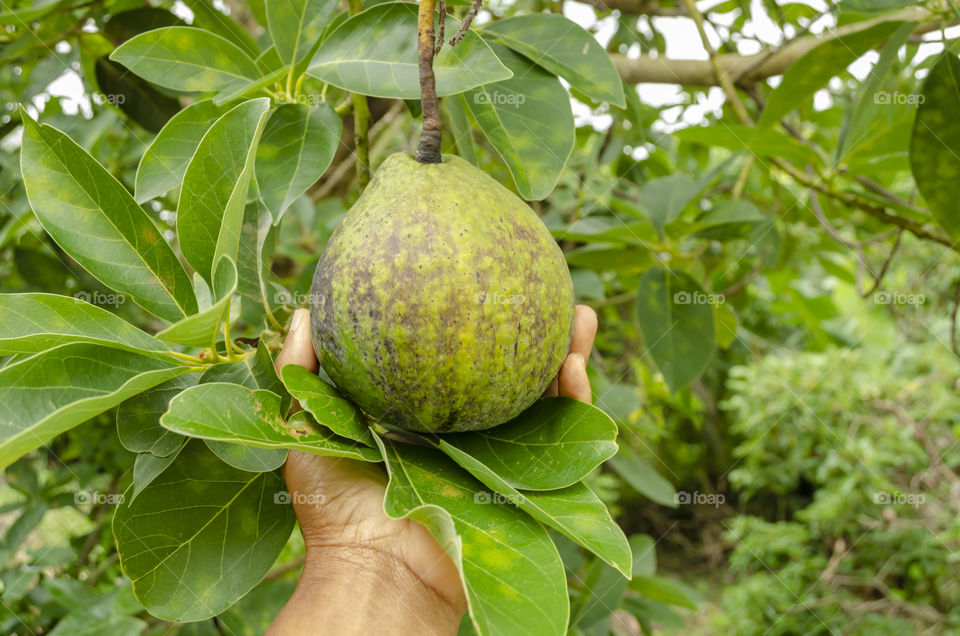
(297, 319)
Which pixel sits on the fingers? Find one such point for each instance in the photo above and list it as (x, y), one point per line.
(573, 381)
(584, 331)
(298, 347)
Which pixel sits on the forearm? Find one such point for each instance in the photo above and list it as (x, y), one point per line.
(362, 591)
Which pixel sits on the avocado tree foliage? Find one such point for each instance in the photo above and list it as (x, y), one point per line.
(155, 242)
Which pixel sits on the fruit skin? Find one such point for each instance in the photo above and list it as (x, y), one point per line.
(441, 303)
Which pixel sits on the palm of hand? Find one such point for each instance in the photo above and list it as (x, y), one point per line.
(350, 516)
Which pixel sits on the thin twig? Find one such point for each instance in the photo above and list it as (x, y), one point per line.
(722, 77)
(442, 4)
(471, 14)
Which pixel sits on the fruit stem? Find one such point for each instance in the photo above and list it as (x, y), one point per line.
(428, 151)
(185, 357)
(361, 121)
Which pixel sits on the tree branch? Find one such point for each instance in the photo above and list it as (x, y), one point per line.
(748, 69)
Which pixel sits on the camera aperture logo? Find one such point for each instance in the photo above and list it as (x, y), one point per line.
(898, 98)
(684, 498)
(485, 497)
(697, 298)
(101, 299)
(896, 297)
(884, 498)
(292, 299)
(498, 298)
(299, 498)
(82, 497)
(499, 98)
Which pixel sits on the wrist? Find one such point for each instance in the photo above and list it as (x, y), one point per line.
(356, 589)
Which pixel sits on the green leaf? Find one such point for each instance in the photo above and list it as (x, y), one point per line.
(295, 25)
(528, 120)
(136, 98)
(579, 436)
(165, 159)
(512, 572)
(676, 320)
(375, 53)
(252, 87)
(51, 392)
(201, 535)
(147, 467)
(186, 59)
(138, 419)
(644, 550)
(126, 24)
(935, 140)
(457, 122)
(208, 17)
(215, 185)
(297, 146)
(233, 413)
(642, 477)
(326, 404)
(575, 511)
(663, 590)
(37, 9)
(248, 458)
(36, 322)
(201, 329)
(603, 587)
(664, 198)
(859, 117)
(254, 372)
(107, 614)
(725, 325)
(760, 143)
(564, 48)
(815, 68)
(729, 219)
(96, 221)
(258, 239)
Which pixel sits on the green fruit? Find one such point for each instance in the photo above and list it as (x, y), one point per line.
(441, 302)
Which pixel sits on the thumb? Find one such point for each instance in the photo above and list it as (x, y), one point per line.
(298, 347)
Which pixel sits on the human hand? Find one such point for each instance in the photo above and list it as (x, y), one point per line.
(365, 572)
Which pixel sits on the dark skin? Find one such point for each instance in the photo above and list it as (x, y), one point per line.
(364, 572)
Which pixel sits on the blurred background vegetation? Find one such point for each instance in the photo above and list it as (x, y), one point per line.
(804, 483)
